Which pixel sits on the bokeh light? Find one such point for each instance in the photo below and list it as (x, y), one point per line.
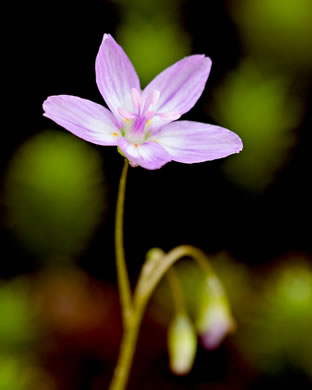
(276, 320)
(18, 373)
(19, 325)
(279, 31)
(260, 108)
(55, 194)
(151, 36)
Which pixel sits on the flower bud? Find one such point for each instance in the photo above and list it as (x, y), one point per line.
(154, 253)
(214, 319)
(182, 344)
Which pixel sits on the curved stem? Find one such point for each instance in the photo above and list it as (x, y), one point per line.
(152, 272)
(122, 273)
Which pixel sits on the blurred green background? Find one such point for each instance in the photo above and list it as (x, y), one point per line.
(59, 311)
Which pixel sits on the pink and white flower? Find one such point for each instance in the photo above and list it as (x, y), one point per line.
(143, 123)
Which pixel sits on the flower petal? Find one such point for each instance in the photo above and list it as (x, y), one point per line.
(115, 75)
(87, 120)
(192, 142)
(149, 155)
(180, 85)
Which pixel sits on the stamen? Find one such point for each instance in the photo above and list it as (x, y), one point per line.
(169, 116)
(148, 102)
(136, 98)
(150, 114)
(126, 114)
(156, 95)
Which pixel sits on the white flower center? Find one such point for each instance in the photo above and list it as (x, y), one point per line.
(138, 123)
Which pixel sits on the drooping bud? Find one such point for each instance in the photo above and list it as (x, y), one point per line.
(214, 319)
(182, 344)
(154, 253)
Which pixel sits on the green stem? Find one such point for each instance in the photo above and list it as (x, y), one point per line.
(127, 349)
(122, 273)
(149, 278)
(152, 273)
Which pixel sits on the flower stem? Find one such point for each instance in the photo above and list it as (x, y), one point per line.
(151, 274)
(127, 349)
(122, 273)
(148, 280)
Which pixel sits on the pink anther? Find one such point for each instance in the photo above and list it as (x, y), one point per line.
(150, 114)
(126, 114)
(156, 95)
(136, 98)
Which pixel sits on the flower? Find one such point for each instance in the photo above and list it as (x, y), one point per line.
(143, 123)
(216, 323)
(214, 319)
(182, 344)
